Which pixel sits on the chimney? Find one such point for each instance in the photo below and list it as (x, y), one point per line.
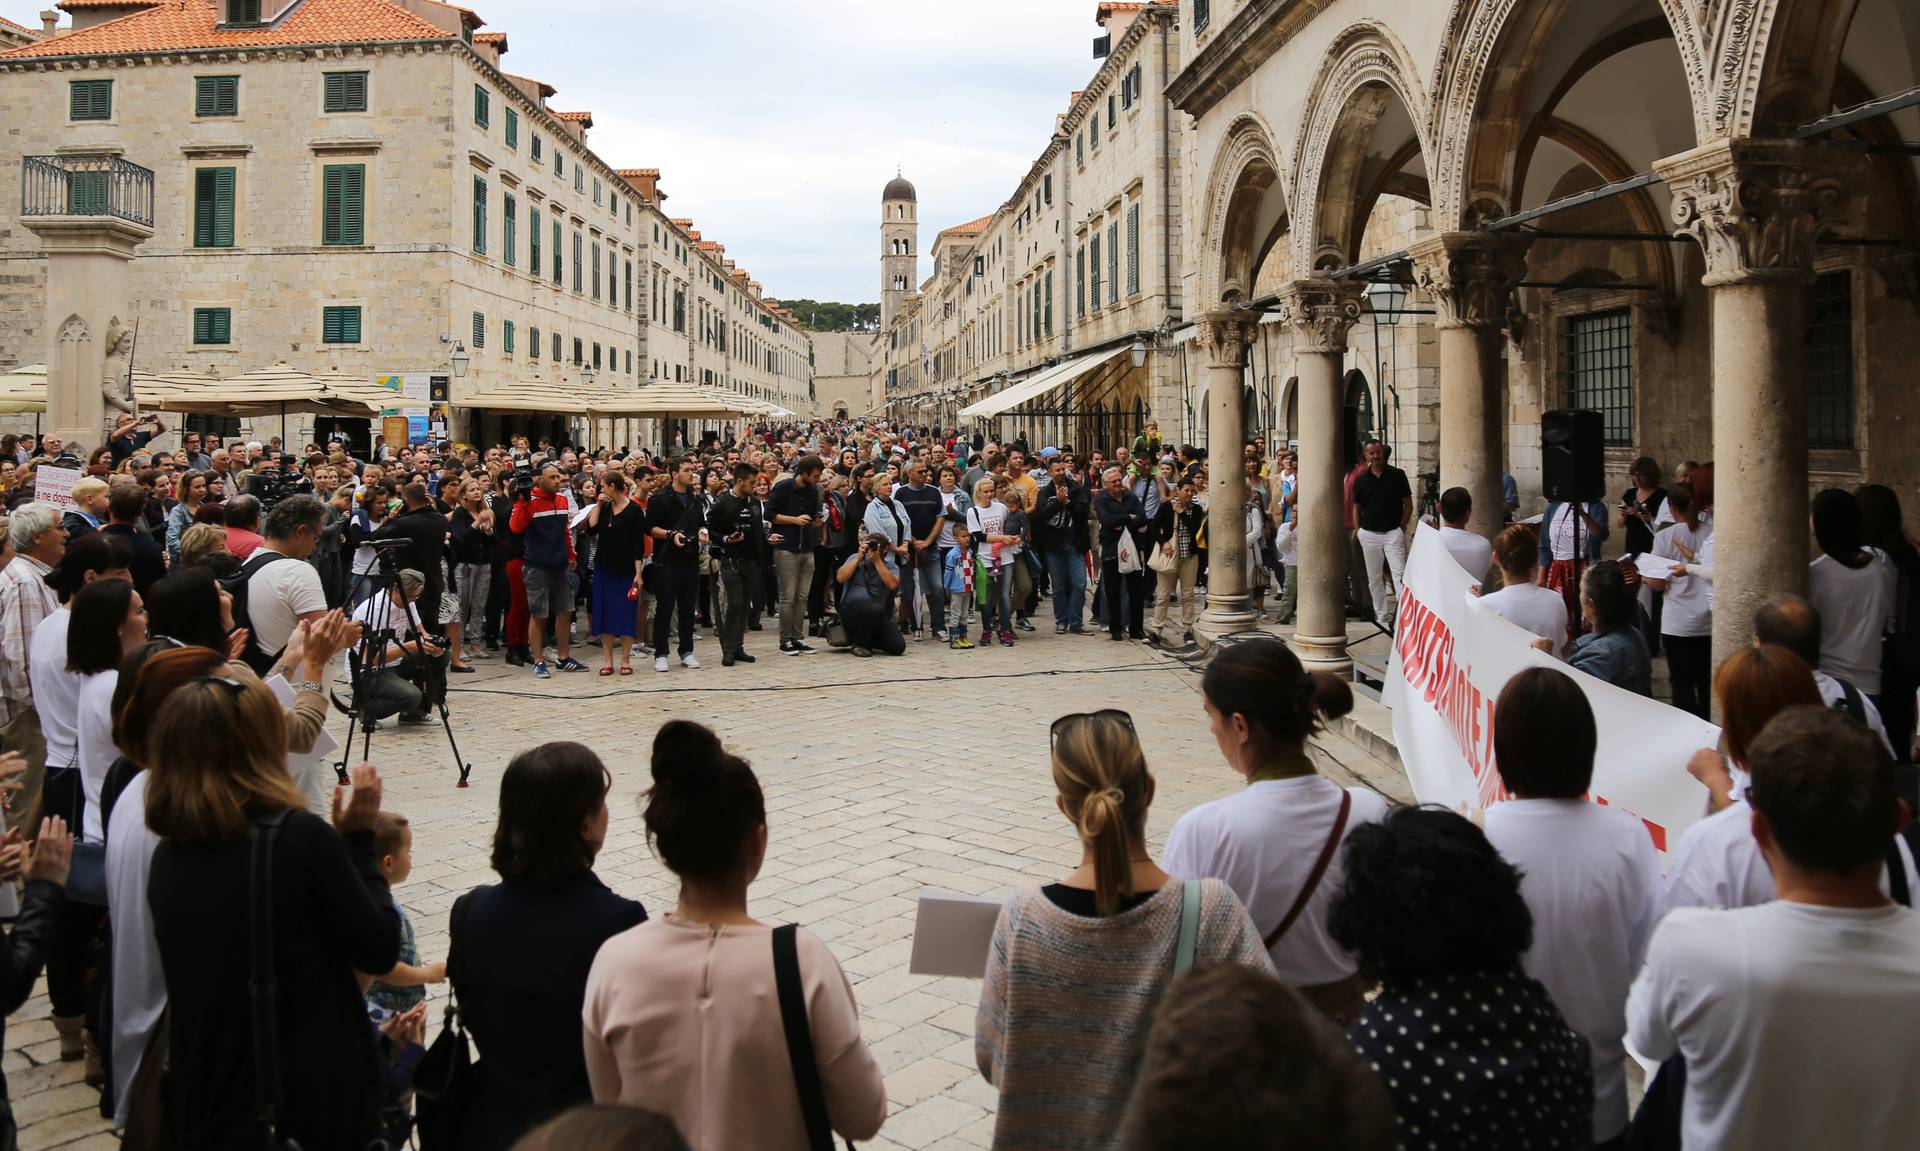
(49, 21)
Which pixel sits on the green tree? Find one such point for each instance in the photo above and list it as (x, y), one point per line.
(829, 316)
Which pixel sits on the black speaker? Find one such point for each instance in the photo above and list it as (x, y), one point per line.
(1572, 464)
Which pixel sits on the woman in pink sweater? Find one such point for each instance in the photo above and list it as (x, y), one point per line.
(682, 1016)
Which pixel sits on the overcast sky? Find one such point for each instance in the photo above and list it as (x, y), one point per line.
(776, 123)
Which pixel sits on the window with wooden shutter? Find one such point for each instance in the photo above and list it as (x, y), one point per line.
(345, 92)
(1133, 249)
(340, 325)
(533, 241)
(509, 228)
(1113, 262)
(243, 11)
(213, 208)
(1093, 297)
(556, 347)
(534, 150)
(596, 271)
(480, 105)
(1080, 283)
(479, 329)
(343, 204)
(216, 95)
(90, 99)
(212, 325)
(479, 215)
(579, 262)
(1049, 312)
(506, 336)
(533, 343)
(513, 128)
(1202, 15)
(86, 193)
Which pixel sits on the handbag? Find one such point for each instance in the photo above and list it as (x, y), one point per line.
(443, 1080)
(1127, 553)
(1161, 561)
(793, 1019)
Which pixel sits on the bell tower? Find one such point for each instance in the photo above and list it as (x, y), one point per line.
(899, 247)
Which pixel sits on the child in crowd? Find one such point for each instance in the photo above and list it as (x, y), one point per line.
(404, 988)
(960, 591)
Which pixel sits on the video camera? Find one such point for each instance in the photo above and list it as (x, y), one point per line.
(272, 487)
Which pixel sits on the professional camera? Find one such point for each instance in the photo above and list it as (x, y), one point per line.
(1429, 488)
(270, 487)
(520, 482)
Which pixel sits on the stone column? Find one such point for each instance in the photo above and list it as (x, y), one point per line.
(1224, 337)
(1320, 313)
(1757, 207)
(1470, 276)
(88, 320)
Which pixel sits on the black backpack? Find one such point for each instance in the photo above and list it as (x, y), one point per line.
(254, 656)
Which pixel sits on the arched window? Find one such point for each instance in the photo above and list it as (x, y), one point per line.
(1359, 415)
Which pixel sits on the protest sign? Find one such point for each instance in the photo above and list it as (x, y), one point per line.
(55, 486)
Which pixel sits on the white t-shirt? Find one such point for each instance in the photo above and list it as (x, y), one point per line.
(1538, 610)
(56, 691)
(139, 984)
(278, 595)
(1469, 549)
(95, 751)
(1689, 609)
(377, 613)
(1854, 606)
(1800, 1024)
(1833, 694)
(1263, 842)
(985, 520)
(1591, 877)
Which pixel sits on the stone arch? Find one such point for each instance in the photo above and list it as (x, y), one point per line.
(1478, 122)
(1779, 62)
(1365, 71)
(1247, 212)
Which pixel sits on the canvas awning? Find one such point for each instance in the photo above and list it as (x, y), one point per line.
(533, 395)
(279, 389)
(1039, 385)
(663, 398)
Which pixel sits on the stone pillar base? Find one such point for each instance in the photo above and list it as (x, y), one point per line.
(1219, 621)
(1327, 653)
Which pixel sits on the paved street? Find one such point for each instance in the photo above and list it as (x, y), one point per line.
(883, 777)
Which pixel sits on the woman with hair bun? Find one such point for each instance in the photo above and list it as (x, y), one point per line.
(1076, 967)
(1276, 841)
(682, 1012)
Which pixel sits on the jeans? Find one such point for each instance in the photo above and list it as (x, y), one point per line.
(1388, 549)
(1690, 670)
(930, 567)
(794, 570)
(674, 586)
(399, 688)
(996, 614)
(1067, 569)
(736, 576)
(474, 581)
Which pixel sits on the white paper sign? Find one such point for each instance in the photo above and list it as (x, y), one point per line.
(55, 486)
(953, 933)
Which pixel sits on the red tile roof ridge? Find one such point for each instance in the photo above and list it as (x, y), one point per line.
(186, 25)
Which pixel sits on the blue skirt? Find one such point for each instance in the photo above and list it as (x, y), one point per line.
(613, 612)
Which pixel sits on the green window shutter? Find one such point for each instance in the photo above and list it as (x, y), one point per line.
(1113, 262)
(506, 336)
(216, 95)
(479, 215)
(1049, 302)
(558, 269)
(509, 226)
(479, 329)
(533, 241)
(533, 343)
(90, 99)
(212, 325)
(513, 128)
(345, 92)
(579, 259)
(596, 271)
(479, 105)
(243, 11)
(1133, 249)
(340, 325)
(343, 204)
(86, 193)
(213, 208)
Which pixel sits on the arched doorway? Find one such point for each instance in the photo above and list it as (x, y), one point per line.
(1358, 425)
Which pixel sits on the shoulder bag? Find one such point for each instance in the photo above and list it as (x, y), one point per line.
(443, 1080)
(1319, 872)
(793, 1018)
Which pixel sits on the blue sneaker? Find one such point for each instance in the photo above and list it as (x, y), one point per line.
(540, 671)
(571, 664)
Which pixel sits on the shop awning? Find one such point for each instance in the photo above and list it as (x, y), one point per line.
(1033, 388)
(675, 399)
(533, 395)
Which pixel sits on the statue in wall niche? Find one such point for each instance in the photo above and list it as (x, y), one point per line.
(116, 384)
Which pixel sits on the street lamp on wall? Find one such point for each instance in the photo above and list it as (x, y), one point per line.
(1386, 300)
(460, 361)
(1138, 353)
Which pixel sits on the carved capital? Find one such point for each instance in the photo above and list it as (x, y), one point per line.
(1320, 312)
(1757, 207)
(1225, 336)
(1471, 276)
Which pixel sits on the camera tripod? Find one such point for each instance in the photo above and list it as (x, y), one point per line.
(368, 660)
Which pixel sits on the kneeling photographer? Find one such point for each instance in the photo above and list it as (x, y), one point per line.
(866, 606)
(398, 675)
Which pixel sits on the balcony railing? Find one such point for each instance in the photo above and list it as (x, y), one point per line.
(86, 185)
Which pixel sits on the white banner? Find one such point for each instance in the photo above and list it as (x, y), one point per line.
(1452, 656)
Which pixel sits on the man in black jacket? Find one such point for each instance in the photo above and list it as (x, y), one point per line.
(675, 520)
(1118, 511)
(425, 531)
(737, 535)
(1060, 531)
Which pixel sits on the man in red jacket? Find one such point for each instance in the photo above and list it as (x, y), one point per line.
(542, 520)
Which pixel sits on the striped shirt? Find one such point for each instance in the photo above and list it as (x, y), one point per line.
(25, 600)
(1064, 1009)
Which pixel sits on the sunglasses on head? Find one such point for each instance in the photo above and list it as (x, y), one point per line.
(233, 686)
(1113, 713)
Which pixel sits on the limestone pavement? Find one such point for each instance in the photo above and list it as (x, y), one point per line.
(883, 777)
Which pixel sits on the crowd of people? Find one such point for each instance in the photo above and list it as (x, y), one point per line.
(215, 913)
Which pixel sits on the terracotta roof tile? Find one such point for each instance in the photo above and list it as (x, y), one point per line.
(20, 28)
(180, 25)
(499, 38)
(575, 117)
(637, 173)
(970, 228)
(90, 5)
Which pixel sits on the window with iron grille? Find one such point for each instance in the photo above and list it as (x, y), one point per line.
(1113, 110)
(340, 325)
(344, 92)
(216, 95)
(212, 325)
(90, 100)
(1830, 361)
(1597, 361)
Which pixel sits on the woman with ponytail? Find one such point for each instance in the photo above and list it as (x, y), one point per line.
(1276, 841)
(1076, 967)
(683, 1012)
(519, 950)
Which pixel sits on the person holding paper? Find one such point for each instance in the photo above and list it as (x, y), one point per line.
(1590, 874)
(1686, 625)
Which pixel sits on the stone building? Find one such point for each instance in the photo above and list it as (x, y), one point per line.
(843, 375)
(1697, 219)
(1056, 317)
(362, 185)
